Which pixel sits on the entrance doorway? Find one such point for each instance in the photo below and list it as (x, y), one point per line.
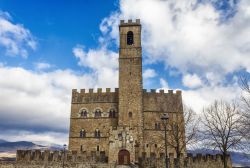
(123, 157)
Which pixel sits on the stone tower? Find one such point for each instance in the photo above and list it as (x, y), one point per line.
(123, 126)
(130, 75)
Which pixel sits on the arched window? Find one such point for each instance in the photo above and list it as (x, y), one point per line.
(98, 113)
(130, 114)
(130, 38)
(82, 133)
(112, 113)
(97, 133)
(83, 113)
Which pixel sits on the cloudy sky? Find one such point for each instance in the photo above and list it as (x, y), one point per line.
(49, 47)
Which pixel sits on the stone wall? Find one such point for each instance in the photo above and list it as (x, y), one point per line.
(49, 159)
(90, 101)
(52, 165)
(155, 104)
(198, 161)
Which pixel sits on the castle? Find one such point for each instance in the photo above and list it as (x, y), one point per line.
(122, 128)
(124, 124)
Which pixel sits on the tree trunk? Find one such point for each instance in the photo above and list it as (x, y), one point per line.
(178, 156)
(225, 159)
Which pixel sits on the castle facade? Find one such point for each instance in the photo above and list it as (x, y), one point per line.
(124, 125)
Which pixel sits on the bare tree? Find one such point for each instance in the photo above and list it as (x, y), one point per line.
(223, 127)
(245, 86)
(183, 129)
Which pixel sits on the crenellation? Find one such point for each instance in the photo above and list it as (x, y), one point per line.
(190, 161)
(178, 92)
(91, 90)
(170, 92)
(57, 156)
(82, 91)
(108, 90)
(99, 90)
(99, 159)
(130, 22)
(198, 157)
(91, 96)
(162, 92)
(153, 91)
(38, 155)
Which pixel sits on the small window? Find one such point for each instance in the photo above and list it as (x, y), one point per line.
(82, 133)
(112, 113)
(157, 126)
(147, 145)
(81, 147)
(130, 38)
(97, 133)
(97, 148)
(130, 114)
(98, 113)
(155, 145)
(83, 113)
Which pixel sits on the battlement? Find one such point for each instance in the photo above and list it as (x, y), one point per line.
(204, 158)
(130, 22)
(162, 92)
(94, 95)
(38, 157)
(57, 156)
(98, 90)
(192, 161)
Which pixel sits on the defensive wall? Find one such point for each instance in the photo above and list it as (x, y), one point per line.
(55, 159)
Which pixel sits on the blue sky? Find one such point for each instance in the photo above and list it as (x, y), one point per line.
(49, 47)
(57, 27)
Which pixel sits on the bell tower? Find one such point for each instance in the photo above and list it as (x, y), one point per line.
(130, 75)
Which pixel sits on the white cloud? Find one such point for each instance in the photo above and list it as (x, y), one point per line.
(103, 63)
(149, 73)
(202, 97)
(189, 36)
(42, 66)
(164, 84)
(15, 38)
(35, 101)
(191, 81)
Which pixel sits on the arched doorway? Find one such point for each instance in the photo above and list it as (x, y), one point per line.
(123, 157)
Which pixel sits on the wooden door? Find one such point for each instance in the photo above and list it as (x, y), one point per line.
(123, 157)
